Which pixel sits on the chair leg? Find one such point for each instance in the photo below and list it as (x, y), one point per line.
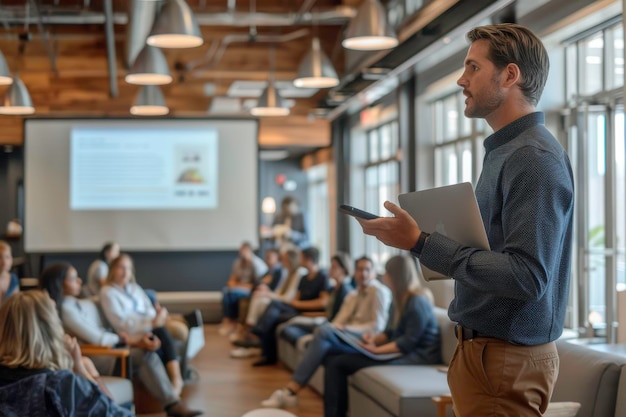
(442, 402)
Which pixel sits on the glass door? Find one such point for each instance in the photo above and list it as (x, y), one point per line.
(599, 166)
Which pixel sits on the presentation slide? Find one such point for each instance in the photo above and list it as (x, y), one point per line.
(147, 169)
(149, 184)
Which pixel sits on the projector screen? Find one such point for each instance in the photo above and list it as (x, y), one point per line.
(151, 185)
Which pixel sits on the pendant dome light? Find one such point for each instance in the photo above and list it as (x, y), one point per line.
(316, 70)
(270, 103)
(369, 29)
(150, 102)
(17, 100)
(176, 27)
(150, 68)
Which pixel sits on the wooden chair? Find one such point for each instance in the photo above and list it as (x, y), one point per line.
(442, 402)
(144, 402)
(121, 354)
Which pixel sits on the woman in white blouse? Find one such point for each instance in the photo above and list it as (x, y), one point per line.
(130, 312)
(81, 318)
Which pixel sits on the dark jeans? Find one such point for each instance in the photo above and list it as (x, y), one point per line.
(167, 351)
(296, 331)
(276, 313)
(230, 301)
(336, 372)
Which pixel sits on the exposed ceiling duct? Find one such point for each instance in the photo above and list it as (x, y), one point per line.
(59, 16)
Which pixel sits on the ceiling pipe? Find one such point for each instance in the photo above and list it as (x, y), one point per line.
(244, 38)
(333, 16)
(107, 5)
(46, 37)
(305, 8)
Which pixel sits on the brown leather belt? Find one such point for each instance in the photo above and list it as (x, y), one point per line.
(463, 333)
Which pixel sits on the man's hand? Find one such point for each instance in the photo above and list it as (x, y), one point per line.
(159, 320)
(400, 231)
(261, 289)
(149, 342)
(371, 346)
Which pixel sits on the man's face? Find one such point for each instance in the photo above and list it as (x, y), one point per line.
(481, 82)
(364, 273)
(271, 258)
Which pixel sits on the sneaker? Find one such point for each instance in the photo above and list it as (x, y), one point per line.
(281, 398)
(245, 352)
(247, 343)
(224, 330)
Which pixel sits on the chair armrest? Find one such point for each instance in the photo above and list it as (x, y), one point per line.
(313, 313)
(442, 402)
(121, 353)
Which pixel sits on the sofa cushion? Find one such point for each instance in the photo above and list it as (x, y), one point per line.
(448, 339)
(121, 389)
(564, 409)
(588, 377)
(402, 389)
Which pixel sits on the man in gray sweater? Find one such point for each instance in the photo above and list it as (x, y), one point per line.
(510, 301)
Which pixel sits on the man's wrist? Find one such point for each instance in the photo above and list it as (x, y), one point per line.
(419, 245)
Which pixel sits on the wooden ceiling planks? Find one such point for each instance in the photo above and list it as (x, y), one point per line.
(80, 85)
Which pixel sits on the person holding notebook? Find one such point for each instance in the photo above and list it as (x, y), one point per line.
(513, 297)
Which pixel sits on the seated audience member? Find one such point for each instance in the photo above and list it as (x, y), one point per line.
(41, 374)
(246, 269)
(269, 283)
(312, 295)
(131, 313)
(99, 269)
(82, 319)
(412, 332)
(274, 275)
(340, 271)
(9, 283)
(261, 299)
(285, 292)
(364, 311)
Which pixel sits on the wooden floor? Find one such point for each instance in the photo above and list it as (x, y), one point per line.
(232, 387)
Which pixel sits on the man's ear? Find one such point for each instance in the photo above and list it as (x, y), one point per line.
(512, 75)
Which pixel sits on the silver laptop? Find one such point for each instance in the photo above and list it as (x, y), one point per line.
(451, 211)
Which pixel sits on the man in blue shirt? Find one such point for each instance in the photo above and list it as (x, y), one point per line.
(510, 302)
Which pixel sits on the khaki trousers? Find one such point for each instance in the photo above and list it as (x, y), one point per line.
(494, 378)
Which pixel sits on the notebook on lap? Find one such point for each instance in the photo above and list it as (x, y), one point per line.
(451, 211)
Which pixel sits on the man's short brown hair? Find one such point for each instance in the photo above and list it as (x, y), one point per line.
(510, 43)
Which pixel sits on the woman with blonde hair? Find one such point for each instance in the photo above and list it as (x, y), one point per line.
(41, 373)
(130, 312)
(81, 318)
(412, 336)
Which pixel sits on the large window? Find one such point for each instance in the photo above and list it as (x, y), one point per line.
(594, 74)
(458, 142)
(376, 178)
(319, 222)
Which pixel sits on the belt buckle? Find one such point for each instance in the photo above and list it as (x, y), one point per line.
(463, 333)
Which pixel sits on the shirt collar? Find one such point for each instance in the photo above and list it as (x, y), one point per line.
(512, 130)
